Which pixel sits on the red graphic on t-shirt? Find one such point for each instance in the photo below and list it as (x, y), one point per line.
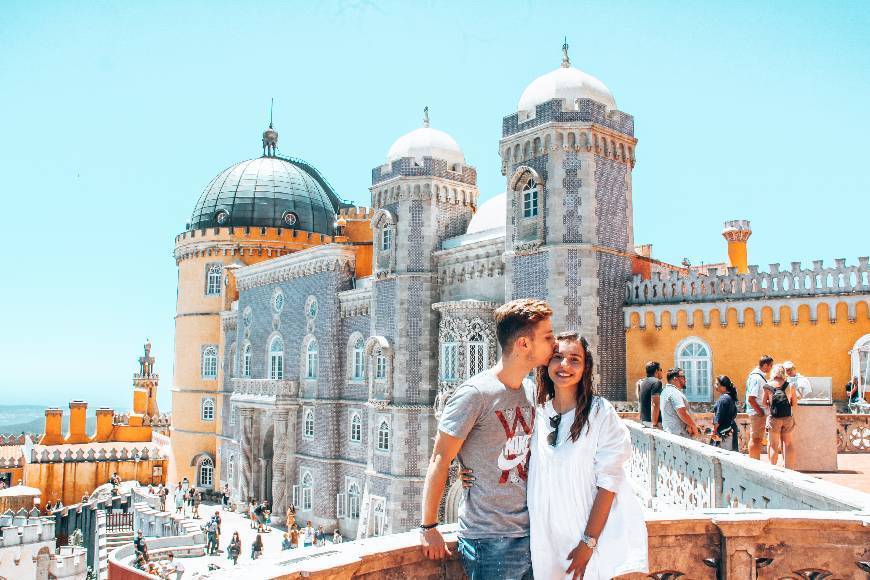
(516, 448)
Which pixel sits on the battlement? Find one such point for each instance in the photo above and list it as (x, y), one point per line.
(411, 167)
(694, 287)
(250, 233)
(95, 452)
(13, 439)
(558, 111)
(356, 213)
(25, 527)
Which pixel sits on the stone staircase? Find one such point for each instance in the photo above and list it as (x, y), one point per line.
(109, 542)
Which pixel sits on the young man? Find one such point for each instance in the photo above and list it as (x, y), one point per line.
(649, 394)
(754, 396)
(488, 424)
(676, 418)
(802, 386)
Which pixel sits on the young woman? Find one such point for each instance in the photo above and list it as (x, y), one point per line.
(724, 415)
(780, 398)
(257, 547)
(584, 518)
(235, 548)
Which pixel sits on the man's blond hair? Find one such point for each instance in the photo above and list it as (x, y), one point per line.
(518, 318)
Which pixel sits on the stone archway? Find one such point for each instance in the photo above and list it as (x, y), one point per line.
(266, 457)
(451, 503)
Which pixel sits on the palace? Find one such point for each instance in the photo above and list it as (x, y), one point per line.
(316, 341)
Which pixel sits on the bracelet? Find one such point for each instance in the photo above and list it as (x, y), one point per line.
(428, 526)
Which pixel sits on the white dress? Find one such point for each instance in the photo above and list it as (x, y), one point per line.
(562, 485)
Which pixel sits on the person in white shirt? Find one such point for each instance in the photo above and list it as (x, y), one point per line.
(801, 384)
(754, 407)
(175, 566)
(308, 535)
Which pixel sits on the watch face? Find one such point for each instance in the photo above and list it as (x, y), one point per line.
(290, 218)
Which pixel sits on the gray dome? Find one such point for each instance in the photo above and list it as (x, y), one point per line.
(268, 192)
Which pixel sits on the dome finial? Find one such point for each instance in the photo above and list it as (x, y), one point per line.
(426, 116)
(270, 136)
(566, 62)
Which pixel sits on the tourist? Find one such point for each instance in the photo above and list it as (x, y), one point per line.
(266, 517)
(802, 386)
(285, 543)
(853, 391)
(163, 493)
(196, 500)
(676, 417)
(649, 394)
(779, 398)
(724, 415)
(307, 535)
(191, 493)
(258, 517)
(754, 408)
(139, 544)
(320, 536)
(235, 548)
(140, 563)
(291, 516)
(252, 516)
(179, 500)
(336, 537)
(211, 537)
(294, 536)
(217, 520)
(257, 547)
(225, 498)
(175, 566)
(185, 484)
(493, 523)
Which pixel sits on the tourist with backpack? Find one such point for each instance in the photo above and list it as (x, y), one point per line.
(754, 405)
(780, 398)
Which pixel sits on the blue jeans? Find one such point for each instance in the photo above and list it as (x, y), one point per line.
(496, 558)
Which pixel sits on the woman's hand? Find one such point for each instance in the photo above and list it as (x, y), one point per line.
(579, 558)
(465, 475)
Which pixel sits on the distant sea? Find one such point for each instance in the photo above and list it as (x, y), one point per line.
(15, 419)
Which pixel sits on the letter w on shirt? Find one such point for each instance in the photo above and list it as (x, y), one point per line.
(516, 448)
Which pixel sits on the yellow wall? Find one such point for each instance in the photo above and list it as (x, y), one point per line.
(818, 350)
(69, 481)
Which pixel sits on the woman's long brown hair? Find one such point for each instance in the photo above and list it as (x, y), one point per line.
(585, 392)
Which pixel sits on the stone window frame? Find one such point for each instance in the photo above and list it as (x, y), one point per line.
(518, 181)
(231, 471)
(307, 491)
(207, 409)
(352, 353)
(206, 372)
(306, 434)
(214, 275)
(276, 373)
(233, 361)
(204, 464)
(350, 482)
(379, 346)
(678, 362)
(383, 438)
(531, 206)
(354, 414)
(384, 260)
(246, 359)
(470, 343)
(309, 373)
(378, 528)
(449, 342)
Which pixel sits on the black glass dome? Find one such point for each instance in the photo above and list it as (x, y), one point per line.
(268, 192)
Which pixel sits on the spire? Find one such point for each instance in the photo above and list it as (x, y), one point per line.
(270, 135)
(426, 116)
(566, 62)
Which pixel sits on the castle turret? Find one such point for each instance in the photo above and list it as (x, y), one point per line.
(737, 233)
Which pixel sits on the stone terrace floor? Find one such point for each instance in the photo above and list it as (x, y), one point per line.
(854, 471)
(231, 522)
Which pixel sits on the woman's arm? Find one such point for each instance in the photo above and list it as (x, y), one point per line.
(581, 554)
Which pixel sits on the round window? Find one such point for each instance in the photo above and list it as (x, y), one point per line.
(222, 217)
(290, 218)
(278, 302)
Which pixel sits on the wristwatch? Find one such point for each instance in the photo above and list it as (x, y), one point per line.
(589, 541)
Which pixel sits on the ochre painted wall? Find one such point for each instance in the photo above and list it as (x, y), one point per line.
(818, 349)
(69, 481)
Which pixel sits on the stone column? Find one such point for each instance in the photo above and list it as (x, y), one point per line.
(279, 463)
(246, 418)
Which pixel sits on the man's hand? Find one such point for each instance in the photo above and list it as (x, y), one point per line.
(692, 429)
(579, 558)
(467, 477)
(433, 544)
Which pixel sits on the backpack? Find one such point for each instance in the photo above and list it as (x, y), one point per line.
(780, 406)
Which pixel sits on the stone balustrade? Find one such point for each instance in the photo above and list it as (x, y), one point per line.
(25, 527)
(672, 472)
(696, 287)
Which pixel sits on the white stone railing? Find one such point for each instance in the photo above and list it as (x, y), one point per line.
(696, 287)
(669, 472)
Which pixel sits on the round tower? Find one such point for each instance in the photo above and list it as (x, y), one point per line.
(253, 211)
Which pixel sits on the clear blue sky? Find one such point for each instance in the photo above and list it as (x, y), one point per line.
(115, 115)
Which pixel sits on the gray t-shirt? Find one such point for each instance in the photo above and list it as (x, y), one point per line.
(671, 400)
(496, 424)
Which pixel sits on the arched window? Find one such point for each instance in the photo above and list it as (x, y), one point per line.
(213, 279)
(206, 411)
(276, 359)
(209, 362)
(530, 199)
(359, 360)
(355, 428)
(450, 358)
(861, 362)
(308, 423)
(206, 472)
(476, 354)
(693, 356)
(307, 490)
(379, 512)
(353, 496)
(246, 361)
(231, 471)
(384, 437)
(386, 237)
(311, 359)
(380, 365)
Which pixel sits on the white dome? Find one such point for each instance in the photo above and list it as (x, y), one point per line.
(426, 142)
(490, 215)
(566, 83)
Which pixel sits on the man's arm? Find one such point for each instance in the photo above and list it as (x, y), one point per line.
(656, 409)
(753, 402)
(684, 415)
(445, 451)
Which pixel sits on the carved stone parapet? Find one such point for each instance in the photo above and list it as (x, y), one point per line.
(329, 258)
(229, 321)
(356, 302)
